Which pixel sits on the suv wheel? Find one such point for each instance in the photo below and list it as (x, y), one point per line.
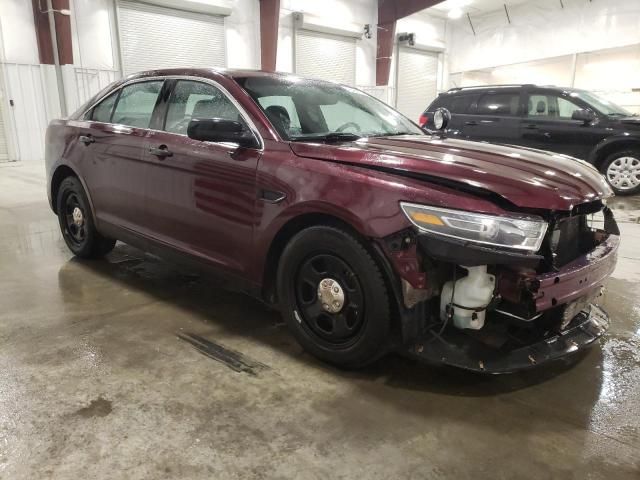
(333, 297)
(622, 170)
(76, 222)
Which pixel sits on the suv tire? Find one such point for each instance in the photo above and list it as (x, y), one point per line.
(622, 171)
(333, 297)
(76, 222)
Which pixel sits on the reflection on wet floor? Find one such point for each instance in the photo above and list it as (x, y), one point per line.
(96, 382)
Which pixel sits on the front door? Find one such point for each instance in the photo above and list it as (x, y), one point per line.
(112, 141)
(547, 125)
(202, 195)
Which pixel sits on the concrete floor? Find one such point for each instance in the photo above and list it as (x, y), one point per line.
(95, 383)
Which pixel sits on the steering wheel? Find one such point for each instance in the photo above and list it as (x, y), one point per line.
(344, 126)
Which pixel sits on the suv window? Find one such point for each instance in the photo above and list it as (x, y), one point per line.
(462, 103)
(554, 106)
(499, 104)
(193, 99)
(102, 112)
(136, 103)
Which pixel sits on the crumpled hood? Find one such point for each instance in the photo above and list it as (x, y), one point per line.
(527, 178)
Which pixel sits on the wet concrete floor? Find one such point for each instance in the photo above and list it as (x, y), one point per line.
(120, 369)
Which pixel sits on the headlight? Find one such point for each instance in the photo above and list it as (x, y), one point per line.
(510, 231)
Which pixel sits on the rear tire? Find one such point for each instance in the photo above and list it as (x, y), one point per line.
(333, 297)
(76, 222)
(622, 171)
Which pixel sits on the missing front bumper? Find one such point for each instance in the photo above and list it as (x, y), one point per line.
(451, 349)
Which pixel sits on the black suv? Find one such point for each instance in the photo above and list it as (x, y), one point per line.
(563, 120)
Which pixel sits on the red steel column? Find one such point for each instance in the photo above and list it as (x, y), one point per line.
(43, 31)
(389, 11)
(269, 22)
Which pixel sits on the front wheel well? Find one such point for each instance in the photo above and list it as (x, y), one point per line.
(296, 225)
(62, 172)
(619, 146)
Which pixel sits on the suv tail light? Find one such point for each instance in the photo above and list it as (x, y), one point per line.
(423, 120)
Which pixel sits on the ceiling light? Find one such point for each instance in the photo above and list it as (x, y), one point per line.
(455, 13)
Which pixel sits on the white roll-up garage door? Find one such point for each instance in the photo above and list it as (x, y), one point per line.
(417, 81)
(326, 56)
(159, 37)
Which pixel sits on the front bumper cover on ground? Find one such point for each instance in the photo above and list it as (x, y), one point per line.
(584, 329)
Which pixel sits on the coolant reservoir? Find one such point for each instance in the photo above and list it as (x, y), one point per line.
(471, 296)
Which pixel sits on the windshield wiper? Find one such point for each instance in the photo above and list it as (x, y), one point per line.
(329, 137)
(394, 134)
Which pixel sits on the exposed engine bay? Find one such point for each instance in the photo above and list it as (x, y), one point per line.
(496, 310)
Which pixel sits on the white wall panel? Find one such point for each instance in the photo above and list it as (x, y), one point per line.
(93, 30)
(29, 115)
(325, 56)
(148, 36)
(18, 32)
(542, 29)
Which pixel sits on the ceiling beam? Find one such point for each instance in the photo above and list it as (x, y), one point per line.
(389, 12)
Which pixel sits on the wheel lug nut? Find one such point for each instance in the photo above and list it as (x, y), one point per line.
(336, 289)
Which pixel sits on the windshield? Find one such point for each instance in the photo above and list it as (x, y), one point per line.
(601, 104)
(303, 109)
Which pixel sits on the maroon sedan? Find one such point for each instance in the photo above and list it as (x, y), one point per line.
(369, 234)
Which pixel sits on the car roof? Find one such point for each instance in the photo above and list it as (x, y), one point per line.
(225, 72)
(480, 88)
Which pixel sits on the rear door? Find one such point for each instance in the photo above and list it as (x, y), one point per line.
(202, 195)
(547, 124)
(494, 117)
(113, 140)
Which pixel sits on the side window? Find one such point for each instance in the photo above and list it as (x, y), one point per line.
(102, 111)
(136, 103)
(461, 103)
(566, 108)
(498, 104)
(282, 113)
(538, 105)
(551, 106)
(193, 99)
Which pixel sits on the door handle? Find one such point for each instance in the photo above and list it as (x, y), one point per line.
(161, 152)
(531, 126)
(87, 139)
(472, 123)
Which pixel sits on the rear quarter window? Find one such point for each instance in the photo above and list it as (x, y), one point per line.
(462, 103)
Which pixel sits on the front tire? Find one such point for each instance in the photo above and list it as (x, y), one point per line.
(622, 171)
(333, 297)
(76, 222)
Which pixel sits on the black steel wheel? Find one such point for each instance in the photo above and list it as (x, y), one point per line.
(333, 296)
(330, 299)
(76, 221)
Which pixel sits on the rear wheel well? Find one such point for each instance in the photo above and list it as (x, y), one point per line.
(613, 147)
(296, 225)
(59, 175)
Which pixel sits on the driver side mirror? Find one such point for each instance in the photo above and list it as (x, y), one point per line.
(583, 115)
(221, 130)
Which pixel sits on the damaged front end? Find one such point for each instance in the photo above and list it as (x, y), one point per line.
(484, 307)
